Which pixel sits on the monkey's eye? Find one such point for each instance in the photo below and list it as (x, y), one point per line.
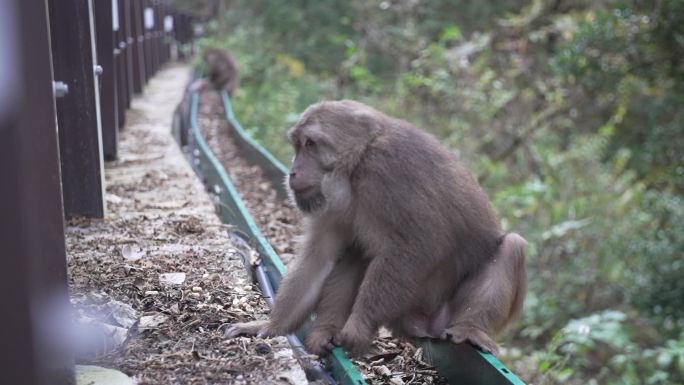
(309, 143)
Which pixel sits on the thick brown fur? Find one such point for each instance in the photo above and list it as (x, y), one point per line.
(222, 72)
(398, 233)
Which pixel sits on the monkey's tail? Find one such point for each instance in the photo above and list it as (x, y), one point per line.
(513, 246)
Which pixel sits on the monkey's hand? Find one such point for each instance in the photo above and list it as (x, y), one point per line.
(320, 340)
(355, 337)
(254, 328)
(199, 84)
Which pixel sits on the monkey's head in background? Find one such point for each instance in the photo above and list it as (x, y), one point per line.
(329, 141)
(211, 55)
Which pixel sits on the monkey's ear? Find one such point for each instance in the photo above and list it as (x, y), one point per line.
(290, 134)
(372, 126)
(363, 127)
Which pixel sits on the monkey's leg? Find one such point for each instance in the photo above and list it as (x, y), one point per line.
(387, 291)
(486, 302)
(337, 299)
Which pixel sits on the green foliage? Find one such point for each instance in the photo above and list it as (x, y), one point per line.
(569, 112)
(605, 342)
(628, 59)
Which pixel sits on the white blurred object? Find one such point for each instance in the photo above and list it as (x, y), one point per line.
(168, 23)
(172, 278)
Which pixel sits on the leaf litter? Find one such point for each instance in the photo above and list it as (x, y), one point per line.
(127, 318)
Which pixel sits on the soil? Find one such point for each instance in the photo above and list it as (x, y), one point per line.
(391, 361)
(160, 221)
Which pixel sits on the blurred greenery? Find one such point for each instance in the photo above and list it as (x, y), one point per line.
(571, 114)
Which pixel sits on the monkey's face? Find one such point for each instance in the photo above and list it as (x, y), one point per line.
(312, 161)
(211, 55)
(329, 140)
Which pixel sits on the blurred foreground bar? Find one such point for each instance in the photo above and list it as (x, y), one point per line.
(33, 282)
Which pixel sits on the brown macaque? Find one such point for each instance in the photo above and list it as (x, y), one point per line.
(222, 72)
(398, 234)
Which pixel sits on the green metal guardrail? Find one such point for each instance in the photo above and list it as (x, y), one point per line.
(458, 363)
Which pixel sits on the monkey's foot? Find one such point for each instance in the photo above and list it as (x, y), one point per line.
(320, 340)
(355, 338)
(460, 334)
(253, 328)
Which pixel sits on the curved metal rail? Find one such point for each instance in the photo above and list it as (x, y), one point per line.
(458, 363)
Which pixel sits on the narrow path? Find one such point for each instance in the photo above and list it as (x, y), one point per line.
(161, 221)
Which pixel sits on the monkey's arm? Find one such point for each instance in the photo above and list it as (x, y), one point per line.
(301, 287)
(199, 84)
(337, 299)
(299, 290)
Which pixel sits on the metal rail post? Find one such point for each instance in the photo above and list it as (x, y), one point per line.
(167, 28)
(78, 113)
(106, 25)
(159, 32)
(128, 38)
(139, 74)
(148, 23)
(121, 52)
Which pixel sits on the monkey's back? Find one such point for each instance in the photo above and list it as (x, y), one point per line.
(222, 69)
(419, 191)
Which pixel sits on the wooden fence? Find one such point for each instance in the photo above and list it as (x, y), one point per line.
(68, 72)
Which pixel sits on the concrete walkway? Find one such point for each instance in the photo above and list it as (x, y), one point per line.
(158, 275)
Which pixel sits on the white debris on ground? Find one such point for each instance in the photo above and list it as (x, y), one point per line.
(155, 282)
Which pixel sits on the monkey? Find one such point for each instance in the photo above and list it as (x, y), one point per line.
(397, 233)
(222, 72)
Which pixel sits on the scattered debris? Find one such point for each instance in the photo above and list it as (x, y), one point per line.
(151, 321)
(123, 313)
(97, 375)
(172, 278)
(130, 254)
(191, 225)
(95, 338)
(262, 348)
(382, 370)
(112, 198)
